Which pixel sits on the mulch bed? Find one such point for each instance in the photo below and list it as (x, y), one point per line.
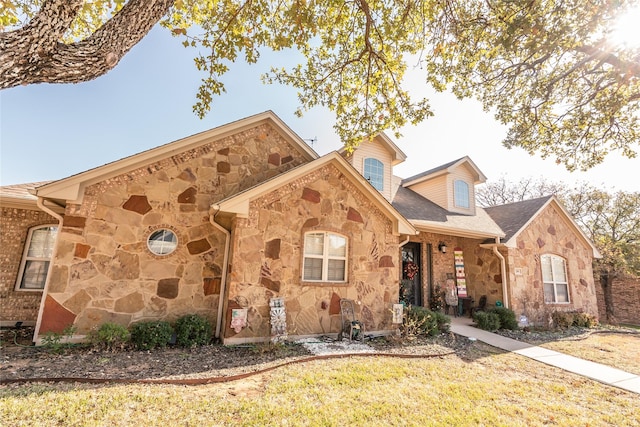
(20, 360)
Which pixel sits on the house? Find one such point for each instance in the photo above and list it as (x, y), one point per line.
(246, 220)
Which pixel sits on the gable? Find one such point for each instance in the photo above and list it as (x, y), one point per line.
(439, 185)
(258, 128)
(240, 203)
(515, 218)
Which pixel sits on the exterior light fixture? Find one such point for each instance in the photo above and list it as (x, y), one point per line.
(442, 247)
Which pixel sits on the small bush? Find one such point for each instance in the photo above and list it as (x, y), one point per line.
(192, 330)
(422, 321)
(52, 341)
(443, 321)
(561, 319)
(584, 320)
(150, 335)
(487, 320)
(507, 318)
(110, 336)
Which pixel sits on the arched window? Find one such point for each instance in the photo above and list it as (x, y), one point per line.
(554, 277)
(461, 194)
(374, 173)
(36, 257)
(325, 257)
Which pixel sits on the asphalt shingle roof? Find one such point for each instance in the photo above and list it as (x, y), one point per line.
(413, 206)
(513, 216)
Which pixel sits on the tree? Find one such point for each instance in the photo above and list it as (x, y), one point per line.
(613, 223)
(611, 220)
(503, 191)
(545, 68)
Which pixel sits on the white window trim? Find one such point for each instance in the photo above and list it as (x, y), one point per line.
(455, 194)
(364, 166)
(325, 257)
(25, 258)
(162, 245)
(555, 282)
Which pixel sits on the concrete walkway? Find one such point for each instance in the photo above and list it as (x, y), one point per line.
(596, 371)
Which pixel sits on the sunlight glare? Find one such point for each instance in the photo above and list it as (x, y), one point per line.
(626, 30)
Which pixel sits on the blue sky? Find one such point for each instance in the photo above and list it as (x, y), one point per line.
(49, 132)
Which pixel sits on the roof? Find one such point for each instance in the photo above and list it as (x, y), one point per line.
(428, 216)
(239, 203)
(72, 188)
(513, 218)
(19, 195)
(446, 168)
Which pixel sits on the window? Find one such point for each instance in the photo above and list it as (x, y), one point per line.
(36, 258)
(374, 173)
(461, 194)
(554, 277)
(162, 242)
(325, 257)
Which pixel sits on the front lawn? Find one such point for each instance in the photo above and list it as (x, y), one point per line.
(485, 387)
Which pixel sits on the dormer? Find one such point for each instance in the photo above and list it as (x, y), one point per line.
(375, 160)
(451, 186)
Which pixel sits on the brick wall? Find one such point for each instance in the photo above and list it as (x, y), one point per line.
(17, 306)
(626, 300)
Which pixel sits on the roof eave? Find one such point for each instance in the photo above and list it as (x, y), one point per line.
(440, 228)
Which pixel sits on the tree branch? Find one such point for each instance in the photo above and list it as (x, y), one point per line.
(36, 54)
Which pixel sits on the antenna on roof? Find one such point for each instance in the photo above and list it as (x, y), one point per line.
(312, 140)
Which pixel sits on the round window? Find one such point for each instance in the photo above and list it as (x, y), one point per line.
(162, 242)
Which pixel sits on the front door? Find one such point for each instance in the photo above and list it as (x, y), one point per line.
(411, 283)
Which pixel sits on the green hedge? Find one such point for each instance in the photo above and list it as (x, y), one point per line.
(496, 318)
(192, 330)
(150, 335)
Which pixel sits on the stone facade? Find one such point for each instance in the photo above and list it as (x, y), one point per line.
(626, 300)
(104, 270)
(268, 249)
(549, 233)
(482, 266)
(17, 306)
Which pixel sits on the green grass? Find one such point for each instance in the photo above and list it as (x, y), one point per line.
(491, 388)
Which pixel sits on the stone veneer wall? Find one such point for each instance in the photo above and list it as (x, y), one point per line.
(269, 245)
(626, 300)
(482, 270)
(482, 267)
(17, 306)
(550, 234)
(104, 271)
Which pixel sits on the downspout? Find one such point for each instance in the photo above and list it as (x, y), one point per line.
(40, 204)
(503, 272)
(225, 264)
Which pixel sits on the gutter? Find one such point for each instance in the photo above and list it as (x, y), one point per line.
(503, 272)
(225, 266)
(41, 205)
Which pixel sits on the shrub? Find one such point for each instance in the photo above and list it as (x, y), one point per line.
(561, 319)
(149, 335)
(110, 336)
(52, 341)
(422, 321)
(192, 330)
(507, 318)
(443, 321)
(584, 320)
(487, 320)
